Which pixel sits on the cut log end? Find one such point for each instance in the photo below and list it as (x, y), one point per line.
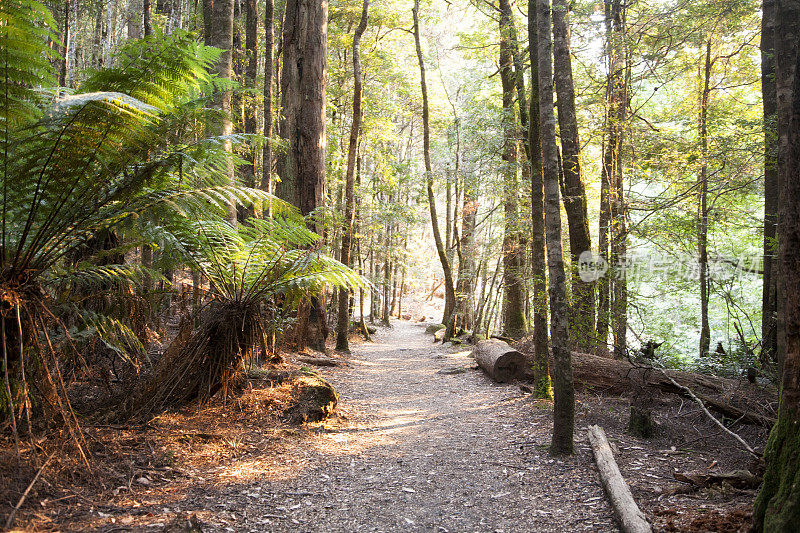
(502, 362)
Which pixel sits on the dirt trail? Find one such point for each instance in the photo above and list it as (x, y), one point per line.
(420, 451)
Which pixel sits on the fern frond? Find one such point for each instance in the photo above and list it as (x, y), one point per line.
(26, 26)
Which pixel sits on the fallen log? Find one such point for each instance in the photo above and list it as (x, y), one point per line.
(318, 361)
(502, 362)
(631, 518)
(734, 399)
(741, 479)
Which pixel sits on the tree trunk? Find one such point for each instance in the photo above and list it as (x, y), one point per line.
(777, 507)
(65, 38)
(108, 31)
(702, 207)
(267, 183)
(302, 167)
(582, 309)
(222, 38)
(208, 20)
(465, 242)
(248, 170)
(769, 326)
(604, 282)
(514, 325)
(147, 23)
(135, 19)
(564, 405)
(617, 109)
(538, 255)
(343, 324)
(97, 38)
(449, 288)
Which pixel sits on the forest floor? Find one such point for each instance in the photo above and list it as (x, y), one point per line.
(422, 441)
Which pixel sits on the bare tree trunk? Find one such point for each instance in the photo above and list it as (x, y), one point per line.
(514, 325)
(343, 324)
(65, 41)
(97, 38)
(582, 311)
(248, 170)
(777, 507)
(135, 9)
(702, 207)
(147, 23)
(449, 287)
(617, 108)
(769, 327)
(267, 183)
(540, 363)
(604, 282)
(222, 38)
(208, 19)
(108, 31)
(564, 405)
(465, 287)
(386, 285)
(302, 168)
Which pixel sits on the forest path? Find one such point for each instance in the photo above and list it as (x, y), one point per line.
(420, 450)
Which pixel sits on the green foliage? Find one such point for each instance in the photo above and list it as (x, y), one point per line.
(262, 259)
(25, 28)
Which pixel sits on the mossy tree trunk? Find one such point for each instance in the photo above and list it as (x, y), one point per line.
(564, 394)
(583, 303)
(777, 507)
(540, 361)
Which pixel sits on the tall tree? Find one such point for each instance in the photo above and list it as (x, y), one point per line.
(208, 19)
(269, 44)
(65, 38)
(777, 507)
(514, 323)
(769, 326)
(248, 169)
(538, 254)
(702, 204)
(564, 394)
(222, 38)
(343, 325)
(147, 20)
(449, 288)
(613, 226)
(135, 19)
(465, 242)
(582, 311)
(302, 167)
